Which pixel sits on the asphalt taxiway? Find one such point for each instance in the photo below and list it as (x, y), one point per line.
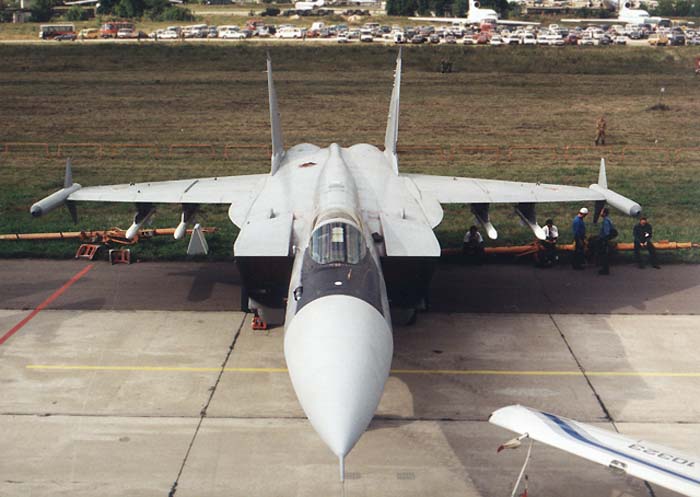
(147, 380)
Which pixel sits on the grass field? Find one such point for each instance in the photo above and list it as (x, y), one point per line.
(216, 94)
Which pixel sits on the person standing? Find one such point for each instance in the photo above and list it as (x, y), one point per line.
(600, 126)
(607, 233)
(551, 235)
(642, 233)
(579, 231)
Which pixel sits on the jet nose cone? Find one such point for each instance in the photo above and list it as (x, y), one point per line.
(338, 351)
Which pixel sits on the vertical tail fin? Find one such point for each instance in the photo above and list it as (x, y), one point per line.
(392, 125)
(275, 126)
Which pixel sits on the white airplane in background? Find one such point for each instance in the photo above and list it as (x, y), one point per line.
(626, 15)
(654, 463)
(476, 15)
(309, 5)
(329, 239)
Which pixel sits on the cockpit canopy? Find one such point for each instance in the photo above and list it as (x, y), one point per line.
(337, 243)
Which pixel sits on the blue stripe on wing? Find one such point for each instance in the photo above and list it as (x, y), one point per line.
(571, 431)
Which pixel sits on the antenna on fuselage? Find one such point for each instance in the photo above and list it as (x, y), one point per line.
(275, 125)
(392, 125)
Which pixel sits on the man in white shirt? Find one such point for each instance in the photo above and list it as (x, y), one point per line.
(551, 235)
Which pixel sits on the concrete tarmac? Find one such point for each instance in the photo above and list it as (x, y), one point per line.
(147, 380)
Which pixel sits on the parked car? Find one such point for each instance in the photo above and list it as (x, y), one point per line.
(620, 40)
(571, 39)
(169, 34)
(126, 33)
(658, 39)
(234, 33)
(66, 37)
(89, 34)
(528, 39)
(290, 33)
(483, 38)
(605, 40)
(556, 40)
(677, 40)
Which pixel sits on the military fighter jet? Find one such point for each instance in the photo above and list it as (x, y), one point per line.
(332, 241)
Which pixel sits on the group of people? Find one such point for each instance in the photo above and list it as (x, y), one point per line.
(642, 233)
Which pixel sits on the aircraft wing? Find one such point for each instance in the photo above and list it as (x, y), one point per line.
(588, 20)
(455, 190)
(461, 20)
(223, 190)
(517, 23)
(664, 466)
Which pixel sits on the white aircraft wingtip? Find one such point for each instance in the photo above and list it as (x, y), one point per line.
(341, 462)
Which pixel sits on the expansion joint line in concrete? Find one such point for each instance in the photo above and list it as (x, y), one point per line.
(203, 412)
(583, 372)
(602, 405)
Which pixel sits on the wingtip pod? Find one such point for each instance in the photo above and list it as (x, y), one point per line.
(59, 198)
(619, 202)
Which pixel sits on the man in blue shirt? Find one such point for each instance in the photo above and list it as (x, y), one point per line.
(607, 233)
(579, 230)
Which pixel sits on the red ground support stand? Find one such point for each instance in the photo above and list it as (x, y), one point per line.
(258, 323)
(120, 256)
(87, 251)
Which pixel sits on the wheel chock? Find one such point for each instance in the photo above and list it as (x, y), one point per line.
(87, 251)
(258, 323)
(120, 256)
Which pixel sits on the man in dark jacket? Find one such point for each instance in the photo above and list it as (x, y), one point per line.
(607, 233)
(579, 231)
(642, 234)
